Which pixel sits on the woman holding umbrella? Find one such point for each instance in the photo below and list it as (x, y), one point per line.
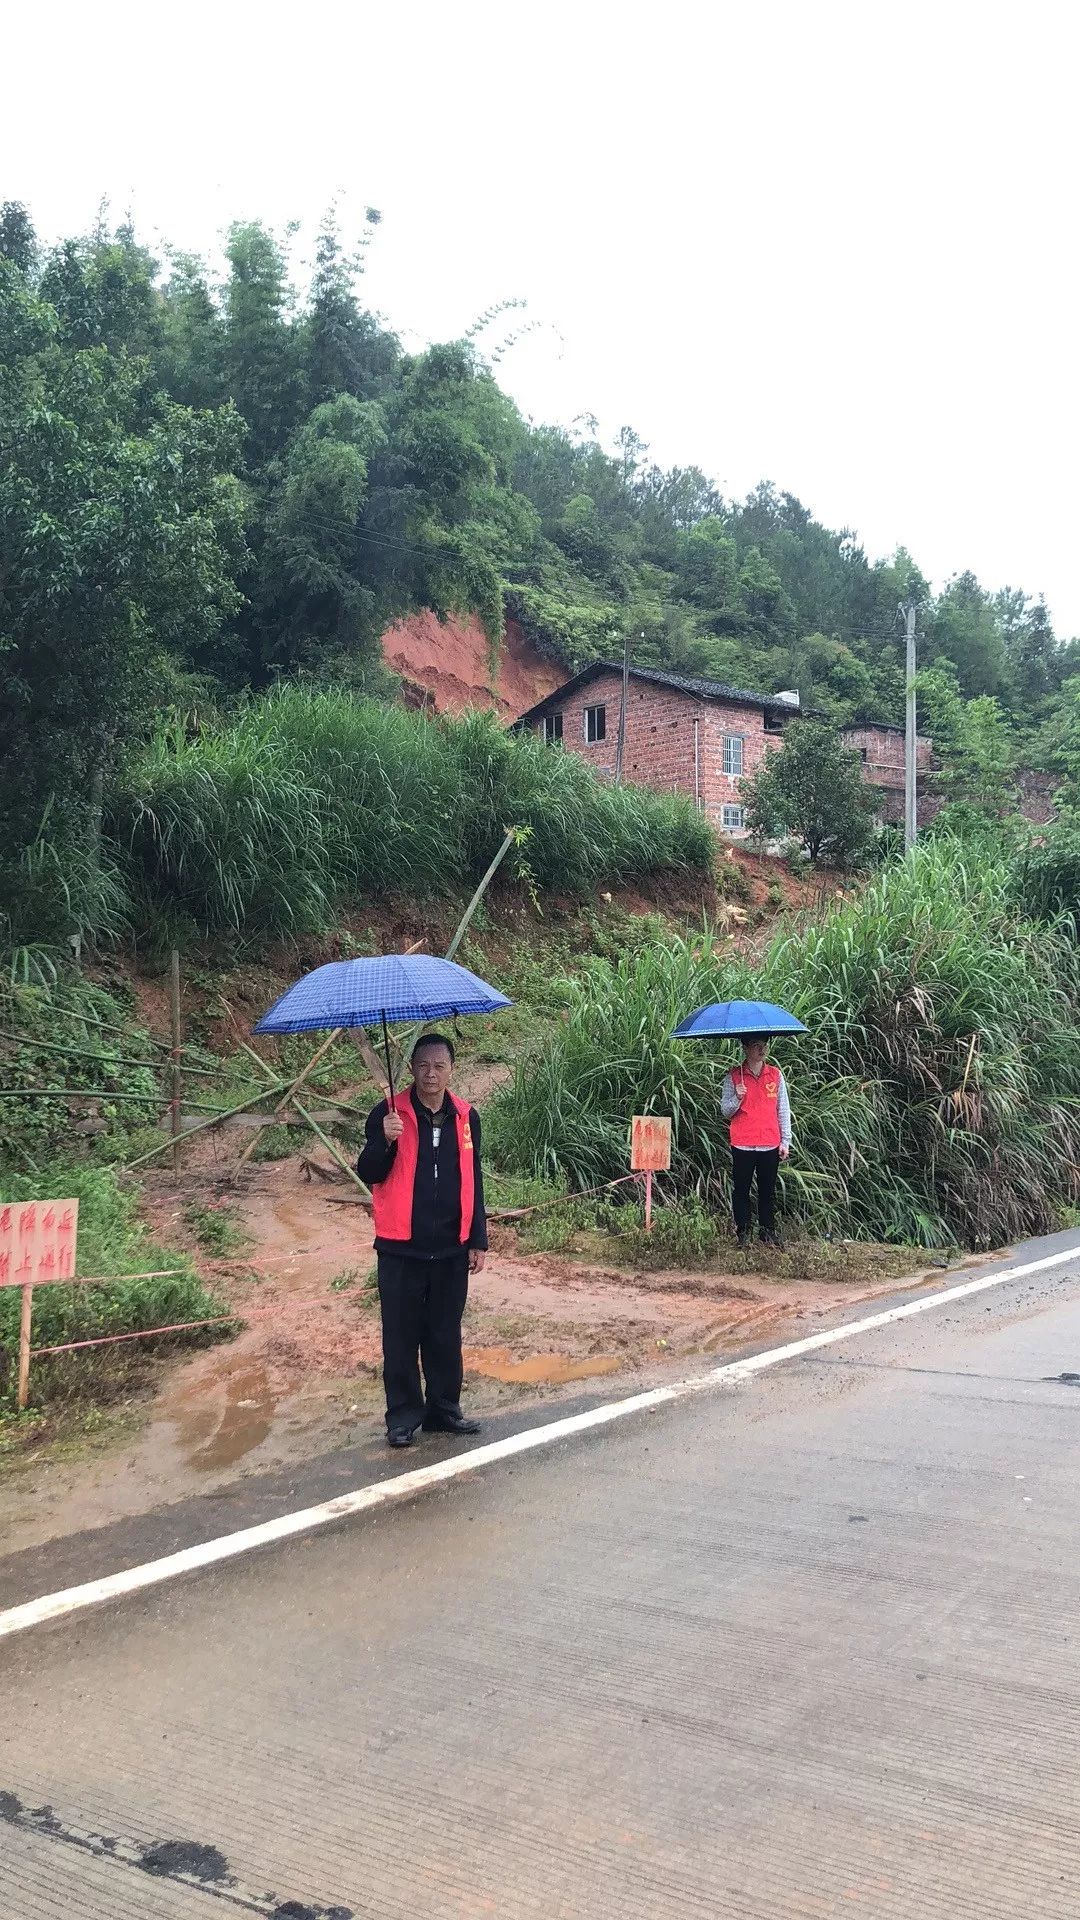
(754, 1101)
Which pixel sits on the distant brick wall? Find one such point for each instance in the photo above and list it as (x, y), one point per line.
(659, 749)
(883, 768)
(882, 753)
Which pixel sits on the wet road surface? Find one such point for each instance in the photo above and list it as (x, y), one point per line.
(807, 1647)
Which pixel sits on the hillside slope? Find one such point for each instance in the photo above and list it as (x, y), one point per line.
(448, 664)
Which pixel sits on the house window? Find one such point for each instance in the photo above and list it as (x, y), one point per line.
(774, 723)
(731, 819)
(553, 728)
(595, 725)
(862, 755)
(733, 755)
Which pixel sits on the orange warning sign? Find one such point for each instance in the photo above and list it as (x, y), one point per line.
(37, 1241)
(650, 1143)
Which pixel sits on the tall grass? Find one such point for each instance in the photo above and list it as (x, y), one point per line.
(312, 800)
(936, 1096)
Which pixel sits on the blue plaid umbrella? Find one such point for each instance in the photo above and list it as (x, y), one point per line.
(395, 986)
(733, 1018)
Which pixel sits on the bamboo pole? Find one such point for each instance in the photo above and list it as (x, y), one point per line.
(264, 1064)
(88, 1053)
(176, 1081)
(369, 1056)
(110, 1026)
(80, 1093)
(479, 894)
(106, 1026)
(215, 1120)
(332, 1149)
(288, 1097)
(464, 923)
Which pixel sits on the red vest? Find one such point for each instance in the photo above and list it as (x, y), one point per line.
(393, 1197)
(757, 1123)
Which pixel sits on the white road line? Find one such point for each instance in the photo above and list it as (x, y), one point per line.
(53, 1606)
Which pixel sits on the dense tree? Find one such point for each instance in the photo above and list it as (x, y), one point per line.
(192, 359)
(261, 356)
(965, 631)
(811, 790)
(312, 592)
(973, 742)
(18, 241)
(118, 548)
(344, 348)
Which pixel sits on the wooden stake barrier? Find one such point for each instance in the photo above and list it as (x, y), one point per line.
(176, 1101)
(28, 1352)
(289, 1097)
(24, 1344)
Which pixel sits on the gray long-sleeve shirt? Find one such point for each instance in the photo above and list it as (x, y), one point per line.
(730, 1104)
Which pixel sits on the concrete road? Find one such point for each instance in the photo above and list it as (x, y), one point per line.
(804, 1648)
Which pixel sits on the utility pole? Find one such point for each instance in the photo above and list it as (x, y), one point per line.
(911, 815)
(622, 710)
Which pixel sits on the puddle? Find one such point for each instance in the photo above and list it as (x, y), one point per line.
(547, 1369)
(217, 1436)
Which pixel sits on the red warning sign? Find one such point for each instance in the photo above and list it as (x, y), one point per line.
(37, 1241)
(650, 1143)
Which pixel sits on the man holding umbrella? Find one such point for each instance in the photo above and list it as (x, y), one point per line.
(421, 1159)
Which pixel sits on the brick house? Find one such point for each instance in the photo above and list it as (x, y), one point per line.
(696, 737)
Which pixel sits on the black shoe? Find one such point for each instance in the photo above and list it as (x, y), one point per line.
(399, 1439)
(743, 1242)
(774, 1241)
(449, 1423)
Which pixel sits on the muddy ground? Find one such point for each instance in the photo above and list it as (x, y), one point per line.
(302, 1376)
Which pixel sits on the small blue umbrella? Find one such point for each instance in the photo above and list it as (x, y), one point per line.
(731, 1019)
(396, 986)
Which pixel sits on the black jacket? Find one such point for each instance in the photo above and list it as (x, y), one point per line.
(436, 1216)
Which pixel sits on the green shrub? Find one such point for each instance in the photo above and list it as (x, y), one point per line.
(69, 1040)
(1047, 873)
(216, 1228)
(936, 1096)
(686, 1235)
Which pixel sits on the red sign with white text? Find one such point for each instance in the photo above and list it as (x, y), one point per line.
(37, 1241)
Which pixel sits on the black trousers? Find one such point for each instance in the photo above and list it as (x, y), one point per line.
(745, 1163)
(422, 1303)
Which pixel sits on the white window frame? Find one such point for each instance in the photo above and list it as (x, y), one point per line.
(595, 739)
(732, 826)
(733, 741)
(553, 729)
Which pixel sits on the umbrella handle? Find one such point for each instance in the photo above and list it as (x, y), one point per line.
(389, 1068)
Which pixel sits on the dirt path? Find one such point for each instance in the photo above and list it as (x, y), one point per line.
(302, 1376)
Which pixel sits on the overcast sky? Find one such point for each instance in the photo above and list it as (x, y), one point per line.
(828, 244)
